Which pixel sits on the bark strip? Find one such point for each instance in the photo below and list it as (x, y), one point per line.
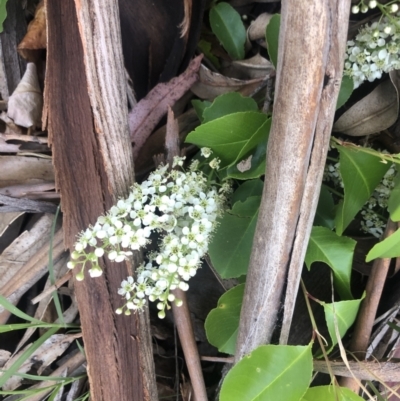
(304, 74)
(86, 116)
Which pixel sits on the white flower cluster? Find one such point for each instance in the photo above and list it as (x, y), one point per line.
(375, 49)
(182, 207)
(372, 223)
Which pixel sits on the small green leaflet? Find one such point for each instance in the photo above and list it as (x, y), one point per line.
(230, 248)
(388, 248)
(206, 48)
(227, 136)
(222, 323)
(270, 372)
(346, 89)
(330, 393)
(337, 252)
(394, 199)
(361, 173)
(272, 38)
(346, 313)
(3, 13)
(199, 107)
(228, 27)
(325, 215)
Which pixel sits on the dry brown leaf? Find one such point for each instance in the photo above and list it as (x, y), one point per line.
(257, 27)
(4, 357)
(375, 112)
(212, 84)
(19, 170)
(149, 111)
(35, 37)
(19, 272)
(46, 354)
(26, 103)
(254, 67)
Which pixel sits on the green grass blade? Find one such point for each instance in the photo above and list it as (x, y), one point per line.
(25, 355)
(6, 304)
(21, 326)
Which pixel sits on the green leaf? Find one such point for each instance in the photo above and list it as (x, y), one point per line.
(346, 313)
(230, 248)
(250, 167)
(330, 393)
(346, 89)
(394, 199)
(270, 372)
(3, 13)
(199, 107)
(206, 48)
(325, 214)
(272, 38)
(228, 135)
(337, 252)
(247, 189)
(17, 312)
(388, 248)
(22, 326)
(361, 173)
(228, 27)
(222, 323)
(228, 103)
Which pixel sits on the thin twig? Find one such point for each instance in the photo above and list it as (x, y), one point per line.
(182, 313)
(369, 306)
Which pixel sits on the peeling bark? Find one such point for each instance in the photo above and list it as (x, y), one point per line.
(86, 114)
(310, 63)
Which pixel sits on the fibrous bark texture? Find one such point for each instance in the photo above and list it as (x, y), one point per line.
(86, 115)
(310, 61)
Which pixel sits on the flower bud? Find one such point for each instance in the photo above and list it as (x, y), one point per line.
(372, 4)
(355, 9)
(364, 8)
(80, 276)
(161, 314)
(178, 302)
(70, 265)
(118, 311)
(394, 8)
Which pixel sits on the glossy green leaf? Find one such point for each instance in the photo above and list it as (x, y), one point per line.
(388, 248)
(230, 248)
(228, 135)
(222, 323)
(325, 214)
(3, 13)
(330, 393)
(228, 27)
(346, 89)
(361, 173)
(337, 252)
(345, 312)
(394, 199)
(250, 167)
(247, 189)
(206, 48)
(270, 372)
(199, 107)
(228, 103)
(272, 38)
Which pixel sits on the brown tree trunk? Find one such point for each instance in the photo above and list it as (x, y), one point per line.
(86, 114)
(310, 62)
